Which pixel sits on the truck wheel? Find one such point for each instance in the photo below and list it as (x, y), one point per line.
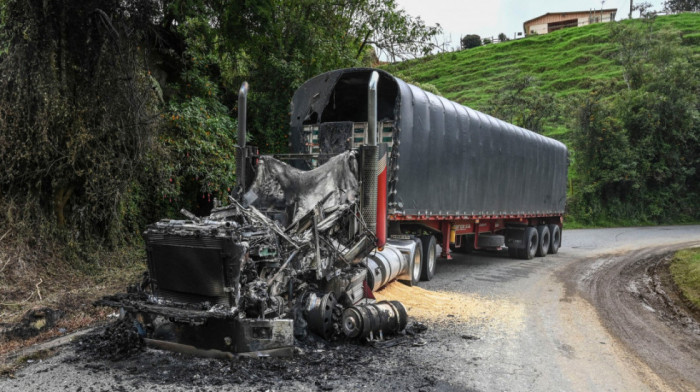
(544, 240)
(555, 239)
(417, 262)
(531, 241)
(429, 258)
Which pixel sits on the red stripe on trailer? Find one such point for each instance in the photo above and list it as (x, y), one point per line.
(401, 217)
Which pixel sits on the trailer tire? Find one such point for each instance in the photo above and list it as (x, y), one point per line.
(491, 241)
(543, 241)
(429, 260)
(416, 263)
(531, 240)
(555, 242)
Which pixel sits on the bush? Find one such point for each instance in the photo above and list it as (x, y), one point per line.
(471, 41)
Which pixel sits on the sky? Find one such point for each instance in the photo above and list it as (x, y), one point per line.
(488, 18)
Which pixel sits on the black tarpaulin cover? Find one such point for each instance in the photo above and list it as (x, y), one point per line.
(447, 159)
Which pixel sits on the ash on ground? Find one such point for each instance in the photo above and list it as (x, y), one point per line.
(316, 364)
(116, 341)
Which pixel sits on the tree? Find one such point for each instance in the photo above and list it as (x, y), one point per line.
(487, 41)
(471, 41)
(3, 35)
(502, 37)
(393, 33)
(605, 160)
(522, 102)
(78, 110)
(682, 5)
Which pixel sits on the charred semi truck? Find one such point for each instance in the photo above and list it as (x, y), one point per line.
(381, 174)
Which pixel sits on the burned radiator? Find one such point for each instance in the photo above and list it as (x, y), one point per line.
(186, 265)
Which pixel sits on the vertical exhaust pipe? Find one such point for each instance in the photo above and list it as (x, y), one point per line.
(372, 109)
(369, 158)
(241, 151)
(372, 135)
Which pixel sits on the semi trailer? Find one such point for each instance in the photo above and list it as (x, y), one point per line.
(448, 174)
(380, 175)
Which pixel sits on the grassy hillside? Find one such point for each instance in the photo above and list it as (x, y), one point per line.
(566, 62)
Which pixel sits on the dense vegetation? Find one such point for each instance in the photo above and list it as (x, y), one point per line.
(623, 96)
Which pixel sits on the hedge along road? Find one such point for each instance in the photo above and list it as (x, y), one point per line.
(584, 319)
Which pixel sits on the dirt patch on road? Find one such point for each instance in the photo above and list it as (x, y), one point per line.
(441, 306)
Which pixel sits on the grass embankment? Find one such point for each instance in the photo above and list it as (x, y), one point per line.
(685, 270)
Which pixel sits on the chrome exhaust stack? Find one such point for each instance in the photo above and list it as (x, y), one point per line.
(241, 155)
(372, 109)
(369, 159)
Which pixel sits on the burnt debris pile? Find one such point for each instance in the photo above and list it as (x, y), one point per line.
(286, 258)
(115, 342)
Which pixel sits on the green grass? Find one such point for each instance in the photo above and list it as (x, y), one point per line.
(566, 62)
(685, 270)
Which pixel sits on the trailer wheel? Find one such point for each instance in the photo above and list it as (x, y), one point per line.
(429, 257)
(555, 242)
(417, 262)
(531, 241)
(544, 240)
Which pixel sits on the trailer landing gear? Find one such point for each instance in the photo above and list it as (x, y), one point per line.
(445, 227)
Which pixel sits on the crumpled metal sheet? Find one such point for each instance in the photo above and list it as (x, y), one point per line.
(447, 159)
(281, 186)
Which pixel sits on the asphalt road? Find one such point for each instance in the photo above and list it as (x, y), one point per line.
(586, 319)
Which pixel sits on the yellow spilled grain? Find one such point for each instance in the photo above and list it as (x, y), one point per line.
(445, 306)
